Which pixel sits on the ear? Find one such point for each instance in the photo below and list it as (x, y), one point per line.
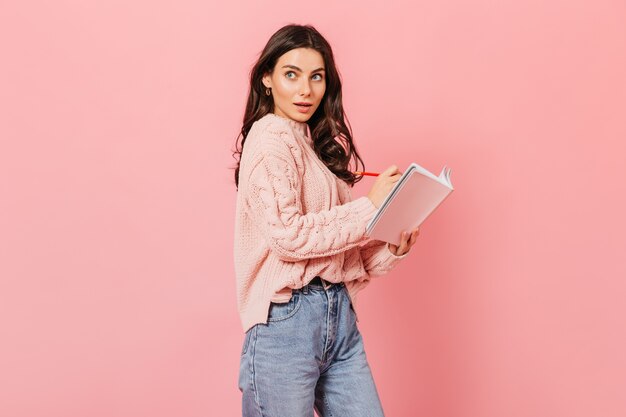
(267, 81)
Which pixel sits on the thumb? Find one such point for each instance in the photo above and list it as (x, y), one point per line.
(391, 170)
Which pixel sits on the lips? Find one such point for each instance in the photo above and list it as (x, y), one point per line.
(303, 107)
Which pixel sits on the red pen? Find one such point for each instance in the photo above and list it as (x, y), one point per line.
(373, 174)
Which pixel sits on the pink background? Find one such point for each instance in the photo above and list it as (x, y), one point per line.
(117, 121)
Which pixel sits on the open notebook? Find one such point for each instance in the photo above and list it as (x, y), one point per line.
(414, 197)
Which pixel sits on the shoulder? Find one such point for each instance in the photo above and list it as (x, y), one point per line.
(268, 136)
(269, 128)
(271, 151)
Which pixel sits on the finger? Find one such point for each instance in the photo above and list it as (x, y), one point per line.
(409, 242)
(398, 247)
(391, 170)
(394, 179)
(404, 242)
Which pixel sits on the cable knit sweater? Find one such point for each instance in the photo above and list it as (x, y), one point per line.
(294, 220)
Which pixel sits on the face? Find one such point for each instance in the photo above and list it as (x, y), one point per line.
(298, 77)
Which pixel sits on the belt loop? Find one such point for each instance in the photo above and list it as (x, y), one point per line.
(305, 289)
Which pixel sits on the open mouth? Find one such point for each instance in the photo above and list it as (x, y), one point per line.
(303, 107)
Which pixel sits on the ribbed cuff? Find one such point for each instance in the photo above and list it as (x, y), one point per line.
(365, 209)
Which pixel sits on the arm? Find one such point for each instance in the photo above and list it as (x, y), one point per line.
(376, 255)
(273, 194)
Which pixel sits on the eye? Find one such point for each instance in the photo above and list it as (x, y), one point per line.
(321, 78)
(289, 72)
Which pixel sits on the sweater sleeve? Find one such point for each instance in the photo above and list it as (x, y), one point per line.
(378, 258)
(273, 194)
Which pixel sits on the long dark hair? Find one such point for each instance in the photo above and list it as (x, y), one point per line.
(332, 139)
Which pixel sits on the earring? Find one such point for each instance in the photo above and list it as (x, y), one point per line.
(267, 91)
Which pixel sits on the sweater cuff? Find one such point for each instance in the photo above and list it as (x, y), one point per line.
(365, 208)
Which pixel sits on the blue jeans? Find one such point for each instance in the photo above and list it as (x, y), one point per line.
(309, 355)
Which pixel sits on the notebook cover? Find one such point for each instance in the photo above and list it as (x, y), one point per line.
(417, 198)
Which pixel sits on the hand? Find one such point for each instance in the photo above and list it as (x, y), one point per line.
(383, 185)
(408, 240)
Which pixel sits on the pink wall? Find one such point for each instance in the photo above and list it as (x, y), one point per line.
(117, 291)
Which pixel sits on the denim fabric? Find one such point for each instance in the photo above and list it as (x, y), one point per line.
(308, 355)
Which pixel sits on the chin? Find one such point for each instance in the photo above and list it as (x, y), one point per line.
(301, 117)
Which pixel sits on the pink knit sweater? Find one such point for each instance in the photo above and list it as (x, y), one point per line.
(294, 220)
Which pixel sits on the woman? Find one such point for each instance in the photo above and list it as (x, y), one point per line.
(301, 254)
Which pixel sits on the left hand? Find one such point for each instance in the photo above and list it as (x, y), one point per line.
(407, 240)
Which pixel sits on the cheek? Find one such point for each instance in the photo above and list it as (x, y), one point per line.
(285, 88)
(320, 90)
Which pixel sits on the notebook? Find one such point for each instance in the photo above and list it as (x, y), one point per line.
(414, 197)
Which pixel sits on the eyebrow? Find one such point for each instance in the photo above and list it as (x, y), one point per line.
(296, 68)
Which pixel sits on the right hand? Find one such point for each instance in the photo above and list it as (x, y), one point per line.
(383, 185)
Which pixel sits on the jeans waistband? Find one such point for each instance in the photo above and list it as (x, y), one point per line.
(319, 282)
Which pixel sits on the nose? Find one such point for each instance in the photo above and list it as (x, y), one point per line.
(305, 88)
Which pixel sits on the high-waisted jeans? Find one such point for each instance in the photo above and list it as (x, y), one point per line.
(308, 355)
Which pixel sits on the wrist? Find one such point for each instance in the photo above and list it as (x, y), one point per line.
(372, 200)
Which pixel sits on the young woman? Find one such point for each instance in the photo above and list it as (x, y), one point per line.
(301, 254)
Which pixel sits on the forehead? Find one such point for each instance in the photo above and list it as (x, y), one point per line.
(305, 58)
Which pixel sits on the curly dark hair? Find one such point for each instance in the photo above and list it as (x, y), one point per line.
(332, 138)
